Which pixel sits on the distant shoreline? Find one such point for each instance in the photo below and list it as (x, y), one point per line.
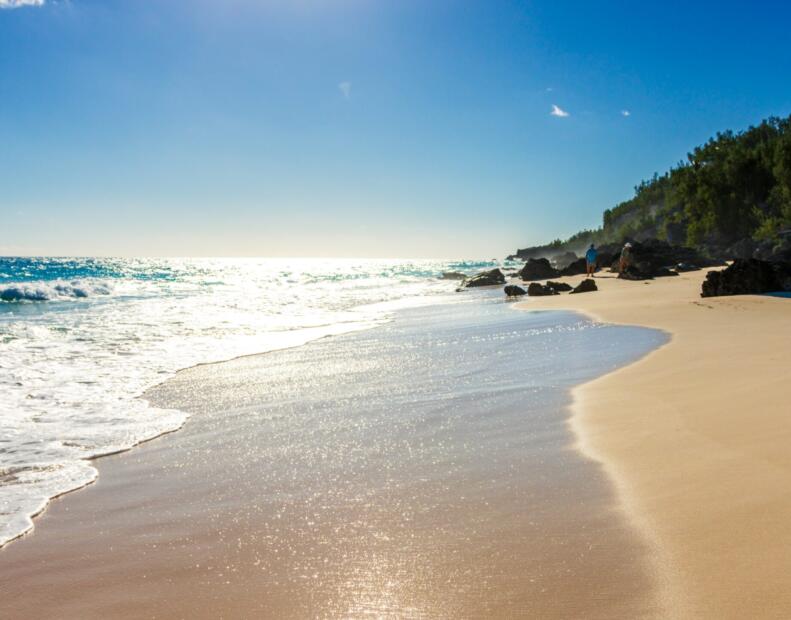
(695, 437)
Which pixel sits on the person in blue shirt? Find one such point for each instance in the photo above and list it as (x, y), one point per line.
(590, 256)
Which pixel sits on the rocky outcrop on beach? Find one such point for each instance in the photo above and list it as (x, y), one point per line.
(586, 286)
(492, 277)
(632, 273)
(656, 259)
(749, 276)
(514, 291)
(560, 287)
(576, 268)
(540, 290)
(606, 256)
(538, 269)
(651, 257)
(452, 275)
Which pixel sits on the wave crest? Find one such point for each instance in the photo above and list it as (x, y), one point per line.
(52, 291)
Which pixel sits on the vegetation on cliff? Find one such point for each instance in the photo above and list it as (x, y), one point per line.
(730, 195)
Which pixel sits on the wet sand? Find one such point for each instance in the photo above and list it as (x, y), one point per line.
(697, 436)
(424, 469)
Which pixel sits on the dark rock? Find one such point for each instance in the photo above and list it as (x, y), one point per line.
(606, 255)
(539, 290)
(684, 267)
(486, 278)
(586, 286)
(514, 291)
(453, 275)
(632, 273)
(558, 286)
(606, 259)
(578, 267)
(748, 277)
(538, 269)
(654, 259)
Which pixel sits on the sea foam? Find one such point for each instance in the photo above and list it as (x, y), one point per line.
(52, 291)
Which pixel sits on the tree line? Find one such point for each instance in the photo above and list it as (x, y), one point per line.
(735, 186)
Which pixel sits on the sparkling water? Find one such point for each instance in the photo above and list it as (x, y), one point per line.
(82, 339)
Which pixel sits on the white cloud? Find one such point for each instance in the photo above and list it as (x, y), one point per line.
(15, 4)
(625, 113)
(344, 87)
(558, 111)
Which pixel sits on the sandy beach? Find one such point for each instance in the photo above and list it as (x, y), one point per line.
(422, 469)
(675, 504)
(281, 332)
(696, 436)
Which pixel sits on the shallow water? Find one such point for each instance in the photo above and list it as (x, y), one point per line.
(81, 338)
(422, 469)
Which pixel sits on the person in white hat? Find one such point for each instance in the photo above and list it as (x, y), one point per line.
(626, 257)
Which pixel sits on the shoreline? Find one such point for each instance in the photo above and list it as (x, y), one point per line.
(146, 516)
(339, 330)
(678, 433)
(325, 331)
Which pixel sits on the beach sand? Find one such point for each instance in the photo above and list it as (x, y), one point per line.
(697, 436)
(423, 469)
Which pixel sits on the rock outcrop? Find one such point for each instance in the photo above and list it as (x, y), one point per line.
(485, 278)
(655, 258)
(540, 290)
(576, 268)
(632, 273)
(453, 275)
(588, 285)
(560, 287)
(514, 291)
(749, 276)
(538, 269)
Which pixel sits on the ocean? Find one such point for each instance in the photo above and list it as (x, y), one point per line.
(82, 338)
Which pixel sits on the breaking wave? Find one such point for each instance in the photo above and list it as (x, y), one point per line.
(53, 291)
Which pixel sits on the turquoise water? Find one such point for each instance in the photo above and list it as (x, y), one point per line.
(82, 338)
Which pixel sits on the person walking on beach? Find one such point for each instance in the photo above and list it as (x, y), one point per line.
(626, 257)
(590, 257)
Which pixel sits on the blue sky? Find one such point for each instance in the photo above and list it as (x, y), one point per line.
(420, 128)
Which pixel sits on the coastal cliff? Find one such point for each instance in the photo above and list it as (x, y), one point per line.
(730, 198)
